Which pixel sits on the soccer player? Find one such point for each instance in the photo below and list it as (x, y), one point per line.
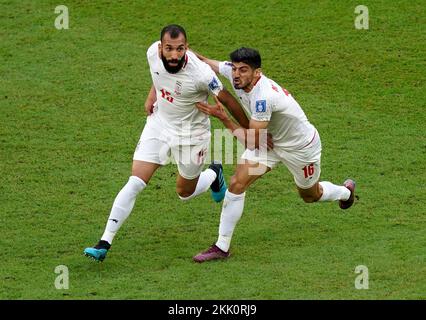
(296, 143)
(174, 127)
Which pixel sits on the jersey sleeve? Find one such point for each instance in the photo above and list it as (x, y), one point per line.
(263, 110)
(152, 52)
(209, 81)
(225, 69)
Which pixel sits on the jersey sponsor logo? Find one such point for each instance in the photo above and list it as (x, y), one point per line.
(214, 84)
(260, 105)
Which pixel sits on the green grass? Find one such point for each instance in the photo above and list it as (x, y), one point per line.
(71, 105)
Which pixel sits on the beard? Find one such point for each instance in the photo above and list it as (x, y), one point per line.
(173, 69)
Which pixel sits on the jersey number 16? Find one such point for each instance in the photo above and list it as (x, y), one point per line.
(308, 170)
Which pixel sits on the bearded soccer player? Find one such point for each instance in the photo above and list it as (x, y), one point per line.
(174, 127)
(296, 143)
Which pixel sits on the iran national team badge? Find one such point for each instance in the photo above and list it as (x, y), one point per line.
(178, 88)
(260, 105)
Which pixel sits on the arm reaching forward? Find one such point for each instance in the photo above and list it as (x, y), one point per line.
(233, 107)
(214, 64)
(225, 97)
(251, 138)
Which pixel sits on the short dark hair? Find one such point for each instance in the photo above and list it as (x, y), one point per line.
(247, 55)
(174, 30)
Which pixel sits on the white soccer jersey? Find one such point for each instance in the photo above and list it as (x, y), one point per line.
(177, 95)
(267, 101)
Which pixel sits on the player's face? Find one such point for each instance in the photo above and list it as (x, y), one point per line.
(243, 76)
(172, 52)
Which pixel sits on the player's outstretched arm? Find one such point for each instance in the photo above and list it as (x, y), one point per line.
(234, 107)
(243, 135)
(219, 112)
(258, 135)
(150, 100)
(214, 64)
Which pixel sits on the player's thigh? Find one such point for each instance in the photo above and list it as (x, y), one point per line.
(144, 170)
(190, 161)
(151, 152)
(246, 173)
(252, 165)
(305, 174)
(305, 166)
(259, 161)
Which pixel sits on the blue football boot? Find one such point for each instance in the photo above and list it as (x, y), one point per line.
(98, 252)
(218, 187)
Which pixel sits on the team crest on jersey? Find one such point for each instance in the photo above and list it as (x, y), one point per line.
(178, 88)
(214, 84)
(260, 105)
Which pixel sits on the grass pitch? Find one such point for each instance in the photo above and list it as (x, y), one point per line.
(71, 105)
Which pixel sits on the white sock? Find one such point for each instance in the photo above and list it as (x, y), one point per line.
(332, 192)
(122, 207)
(232, 209)
(204, 181)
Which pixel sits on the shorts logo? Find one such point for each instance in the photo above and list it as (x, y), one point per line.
(214, 84)
(260, 105)
(201, 156)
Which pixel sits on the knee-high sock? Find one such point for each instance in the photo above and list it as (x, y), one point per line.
(332, 192)
(204, 181)
(232, 209)
(122, 207)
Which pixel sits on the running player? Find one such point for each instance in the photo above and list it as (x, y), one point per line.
(296, 143)
(174, 127)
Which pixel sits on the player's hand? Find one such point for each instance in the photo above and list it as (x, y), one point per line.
(216, 110)
(149, 108)
(268, 144)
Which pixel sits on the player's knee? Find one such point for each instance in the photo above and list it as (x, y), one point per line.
(183, 194)
(309, 198)
(236, 186)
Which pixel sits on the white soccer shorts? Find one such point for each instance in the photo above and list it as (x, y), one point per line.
(304, 164)
(157, 146)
